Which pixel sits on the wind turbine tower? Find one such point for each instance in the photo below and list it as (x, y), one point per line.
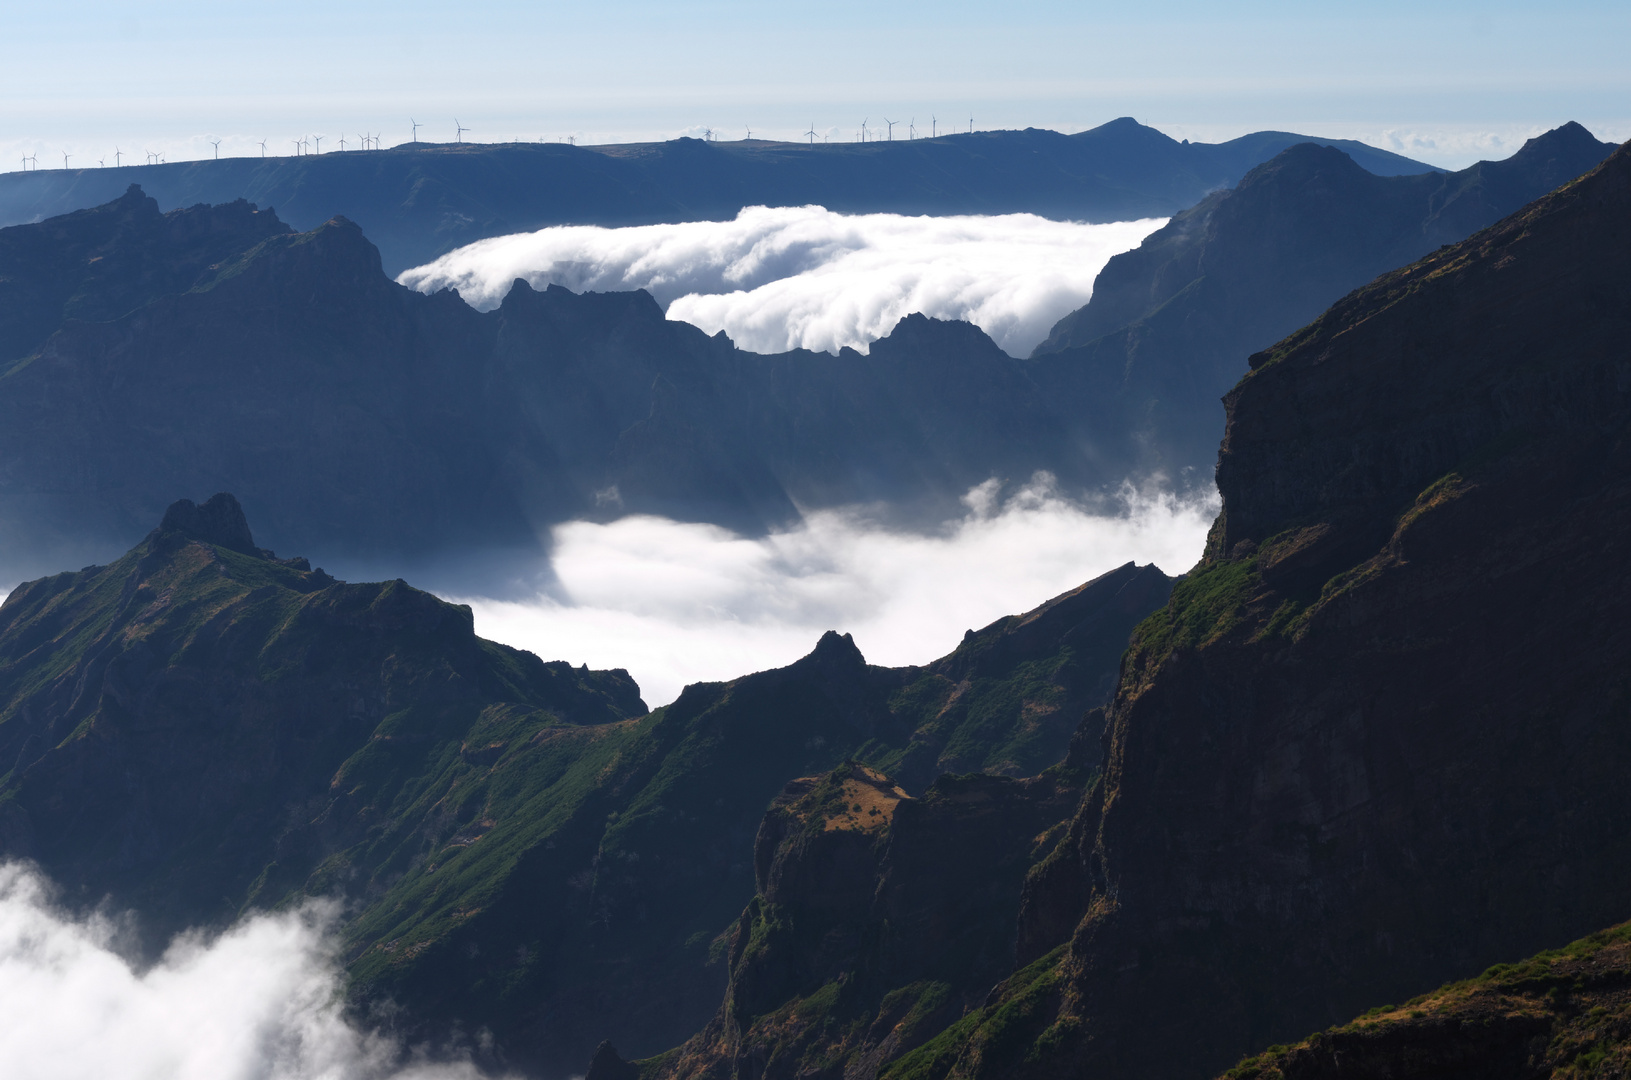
(217, 144)
(891, 124)
(415, 124)
(65, 161)
(461, 129)
(811, 133)
(263, 148)
(933, 126)
(117, 154)
(863, 129)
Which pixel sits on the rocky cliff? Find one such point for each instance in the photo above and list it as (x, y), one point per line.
(879, 920)
(1375, 739)
(1171, 323)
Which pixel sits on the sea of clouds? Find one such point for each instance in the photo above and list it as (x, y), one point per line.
(778, 278)
(677, 603)
(258, 1002)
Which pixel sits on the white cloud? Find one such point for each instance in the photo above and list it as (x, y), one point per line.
(259, 1002)
(780, 278)
(679, 603)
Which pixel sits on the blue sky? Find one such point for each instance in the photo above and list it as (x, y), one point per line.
(1447, 82)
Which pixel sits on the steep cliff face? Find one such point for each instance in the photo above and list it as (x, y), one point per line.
(1375, 740)
(1170, 323)
(879, 920)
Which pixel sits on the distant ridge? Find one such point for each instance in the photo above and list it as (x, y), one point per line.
(418, 201)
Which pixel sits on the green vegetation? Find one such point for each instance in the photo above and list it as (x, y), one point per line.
(1571, 1001)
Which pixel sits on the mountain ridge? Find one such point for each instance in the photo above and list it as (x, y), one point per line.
(419, 201)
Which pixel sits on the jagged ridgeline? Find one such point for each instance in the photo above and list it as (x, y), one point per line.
(200, 729)
(213, 349)
(1170, 323)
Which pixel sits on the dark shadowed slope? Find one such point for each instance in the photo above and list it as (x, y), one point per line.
(381, 427)
(201, 728)
(1377, 738)
(418, 201)
(1171, 323)
(1563, 1013)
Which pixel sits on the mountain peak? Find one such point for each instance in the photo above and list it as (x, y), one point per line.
(220, 521)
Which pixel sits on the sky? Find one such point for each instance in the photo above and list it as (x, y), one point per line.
(1446, 82)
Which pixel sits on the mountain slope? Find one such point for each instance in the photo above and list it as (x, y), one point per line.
(200, 728)
(1171, 323)
(388, 430)
(418, 201)
(1562, 1013)
(1375, 739)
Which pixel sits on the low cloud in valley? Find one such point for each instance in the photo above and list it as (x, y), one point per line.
(781, 278)
(678, 603)
(258, 1002)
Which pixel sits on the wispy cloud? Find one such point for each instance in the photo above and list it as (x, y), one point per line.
(678, 603)
(780, 278)
(259, 1002)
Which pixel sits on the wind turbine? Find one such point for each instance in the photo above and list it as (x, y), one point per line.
(811, 133)
(298, 145)
(263, 148)
(217, 144)
(971, 125)
(459, 134)
(318, 139)
(911, 129)
(750, 133)
(101, 163)
(65, 161)
(863, 129)
(415, 124)
(117, 154)
(891, 124)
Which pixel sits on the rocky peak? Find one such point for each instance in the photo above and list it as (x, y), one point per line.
(220, 521)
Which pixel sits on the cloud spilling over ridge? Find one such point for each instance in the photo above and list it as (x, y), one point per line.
(679, 603)
(259, 1002)
(781, 278)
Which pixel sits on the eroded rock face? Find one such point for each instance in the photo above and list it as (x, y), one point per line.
(1375, 740)
(880, 918)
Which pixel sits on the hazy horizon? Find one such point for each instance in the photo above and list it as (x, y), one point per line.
(1447, 84)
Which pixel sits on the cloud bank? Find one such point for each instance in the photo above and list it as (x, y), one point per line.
(678, 603)
(259, 1002)
(781, 278)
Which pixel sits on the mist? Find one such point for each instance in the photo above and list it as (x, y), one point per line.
(677, 603)
(258, 1002)
(788, 277)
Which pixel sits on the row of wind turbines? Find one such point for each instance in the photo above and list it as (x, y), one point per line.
(912, 131)
(313, 144)
(307, 145)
